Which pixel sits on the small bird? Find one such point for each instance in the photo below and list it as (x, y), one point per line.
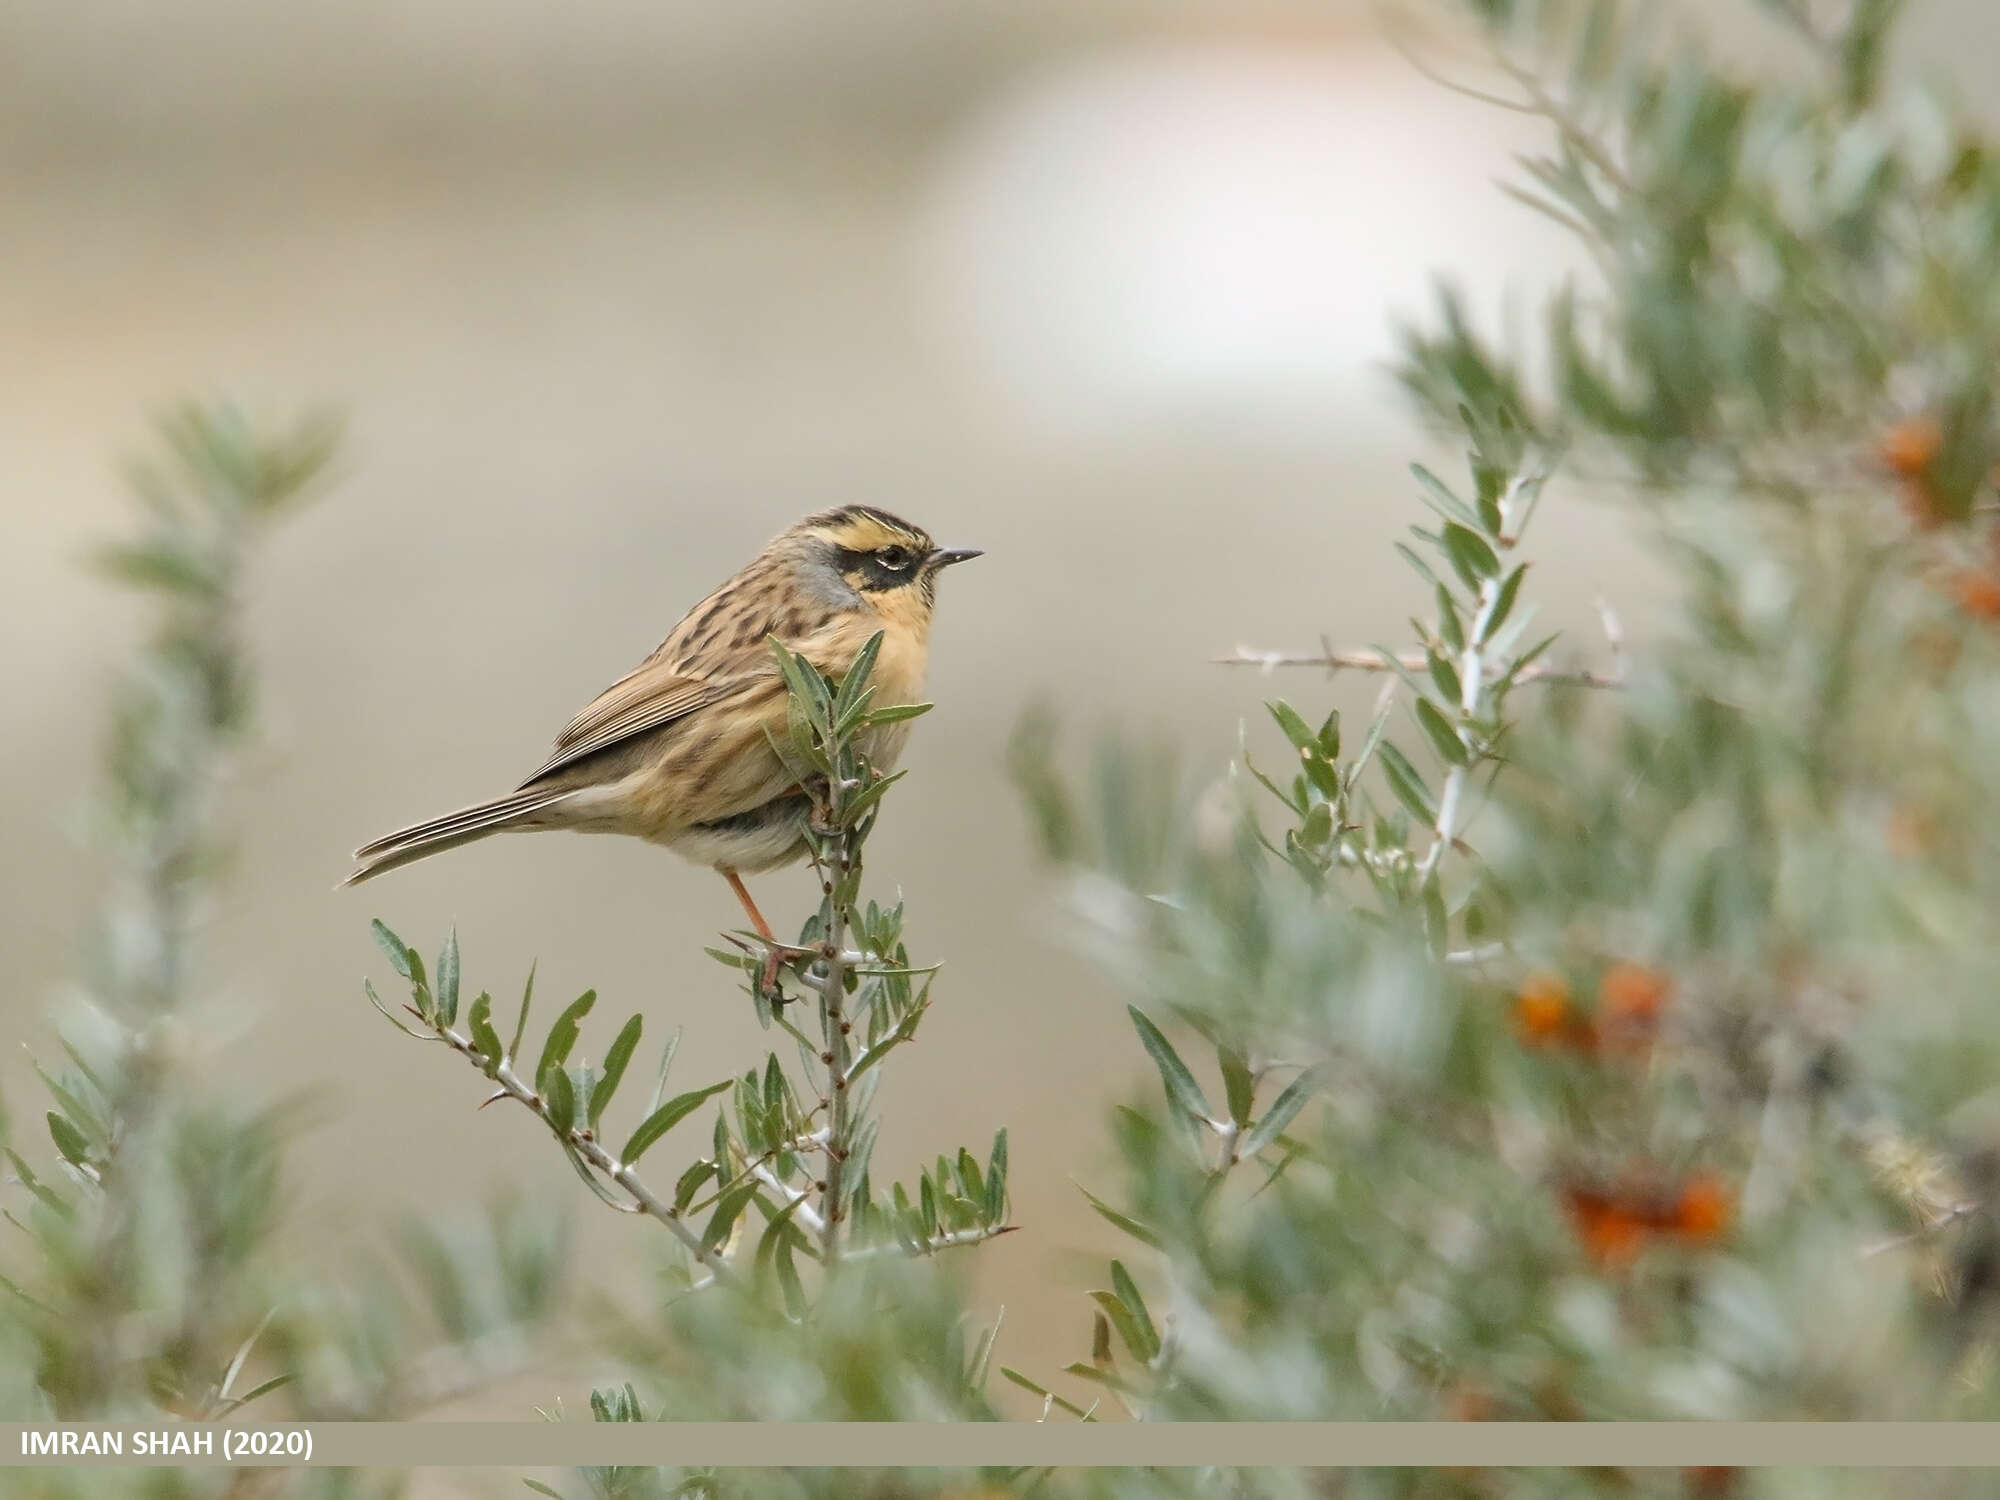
(676, 752)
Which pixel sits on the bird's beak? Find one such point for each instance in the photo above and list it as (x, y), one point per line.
(944, 557)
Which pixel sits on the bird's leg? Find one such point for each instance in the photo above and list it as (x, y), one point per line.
(757, 921)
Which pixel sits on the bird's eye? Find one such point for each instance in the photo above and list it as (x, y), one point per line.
(895, 559)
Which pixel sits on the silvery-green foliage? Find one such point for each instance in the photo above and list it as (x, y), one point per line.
(1613, 1038)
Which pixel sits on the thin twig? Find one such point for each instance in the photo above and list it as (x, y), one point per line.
(830, 978)
(1391, 32)
(1409, 661)
(1471, 695)
(807, 1216)
(1567, 125)
(951, 1240)
(587, 1146)
(1943, 1221)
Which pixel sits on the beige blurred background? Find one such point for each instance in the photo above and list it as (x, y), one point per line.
(610, 293)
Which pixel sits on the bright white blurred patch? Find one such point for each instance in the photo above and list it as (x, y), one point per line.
(1228, 232)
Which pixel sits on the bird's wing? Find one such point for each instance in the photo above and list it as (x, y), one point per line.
(644, 699)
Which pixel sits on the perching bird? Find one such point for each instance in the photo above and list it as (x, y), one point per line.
(676, 751)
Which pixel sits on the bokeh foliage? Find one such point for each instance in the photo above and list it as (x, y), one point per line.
(1567, 1040)
(1650, 1008)
(149, 1279)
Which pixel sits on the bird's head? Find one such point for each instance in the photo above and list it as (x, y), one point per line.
(882, 561)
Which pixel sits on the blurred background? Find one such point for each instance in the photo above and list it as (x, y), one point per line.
(611, 293)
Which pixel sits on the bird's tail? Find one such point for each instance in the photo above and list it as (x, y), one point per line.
(468, 824)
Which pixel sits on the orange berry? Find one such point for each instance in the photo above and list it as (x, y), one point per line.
(1978, 593)
(1908, 447)
(1632, 992)
(1907, 832)
(1919, 504)
(1701, 1212)
(1907, 450)
(1611, 1232)
(1467, 1401)
(1541, 1010)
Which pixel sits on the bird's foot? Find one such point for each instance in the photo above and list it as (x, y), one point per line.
(777, 956)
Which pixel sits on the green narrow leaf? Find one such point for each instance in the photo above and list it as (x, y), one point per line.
(1236, 1082)
(859, 1154)
(1445, 675)
(447, 976)
(374, 999)
(895, 713)
(788, 1280)
(1423, 568)
(160, 564)
(666, 1062)
(1284, 1109)
(1321, 773)
(775, 1097)
(1315, 829)
(1293, 725)
(1393, 663)
(996, 1179)
(1377, 727)
(778, 1230)
(982, 1354)
(971, 1184)
(728, 1208)
(667, 1116)
(868, 796)
(521, 1021)
(69, 1140)
(1015, 1376)
(690, 1183)
(590, 1180)
(562, 1035)
(615, 1062)
(263, 1388)
(480, 1022)
(1182, 1091)
(1449, 625)
(395, 947)
(1470, 557)
(750, 1120)
(1140, 1232)
(1489, 510)
(852, 717)
(1406, 783)
(559, 1099)
(1437, 925)
(1121, 1318)
(1527, 658)
(1128, 1293)
(69, 1102)
(1444, 739)
(1503, 603)
(1437, 495)
(419, 982)
(48, 1196)
(807, 688)
(855, 680)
